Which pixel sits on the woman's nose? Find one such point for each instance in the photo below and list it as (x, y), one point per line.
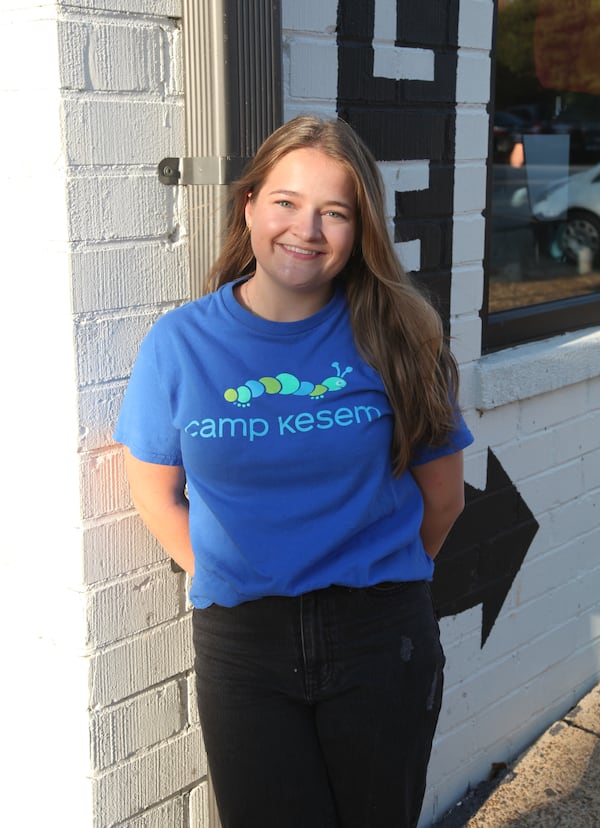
(308, 224)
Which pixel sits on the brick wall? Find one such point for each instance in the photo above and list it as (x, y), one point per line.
(100, 716)
(534, 409)
(122, 90)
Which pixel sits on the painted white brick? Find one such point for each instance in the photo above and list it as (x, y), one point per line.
(134, 665)
(199, 806)
(526, 456)
(114, 56)
(461, 637)
(470, 183)
(322, 109)
(310, 15)
(171, 814)
(402, 63)
(193, 715)
(136, 724)
(466, 396)
(128, 276)
(457, 630)
(134, 786)
(468, 234)
(104, 489)
(98, 408)
(450, 775)
(575, 518)
(409, 254)
(473, 77)
(547, 570)
(585, 550)
(475, 24)
(492, 683)
(163, 8)
(471, 134)
(117, 339)
(553, 488)
(466, 337)
(539, 413)
(523, 627)
(313, 71)
(110, 207)
(536, 660)
(400, 177)
(591, 470)
(132, 605)
(499, 721)
(120, 545)
(575, 437)
(594, 393)
(476, 463)
(467, 290)
(123, 132)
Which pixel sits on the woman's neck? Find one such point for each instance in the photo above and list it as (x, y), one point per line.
(283, 305)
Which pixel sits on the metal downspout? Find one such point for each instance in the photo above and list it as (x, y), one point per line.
(233, 100)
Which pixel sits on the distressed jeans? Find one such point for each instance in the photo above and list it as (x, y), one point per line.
(319, 711)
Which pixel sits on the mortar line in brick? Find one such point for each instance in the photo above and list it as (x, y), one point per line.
(95, 96)
(76, 14)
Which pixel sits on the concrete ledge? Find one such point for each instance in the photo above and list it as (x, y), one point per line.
(536, 368)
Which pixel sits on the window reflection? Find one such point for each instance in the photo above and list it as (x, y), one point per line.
(545, 217)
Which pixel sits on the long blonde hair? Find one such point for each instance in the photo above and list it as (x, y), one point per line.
(396, 328)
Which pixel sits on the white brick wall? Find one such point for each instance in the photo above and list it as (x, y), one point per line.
(538, 408)
(95, 249)
(103, 655)
(123, 112)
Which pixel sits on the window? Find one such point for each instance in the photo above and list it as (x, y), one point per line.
(543, 246)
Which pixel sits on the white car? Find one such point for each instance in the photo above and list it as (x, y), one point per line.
(573, 202)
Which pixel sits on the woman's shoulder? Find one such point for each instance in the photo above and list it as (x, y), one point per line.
(193, 312)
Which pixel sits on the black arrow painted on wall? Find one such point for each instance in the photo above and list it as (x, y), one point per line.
(485, 550)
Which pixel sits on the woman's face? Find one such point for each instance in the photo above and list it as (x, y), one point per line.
(302, 223)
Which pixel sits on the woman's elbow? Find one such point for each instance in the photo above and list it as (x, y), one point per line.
(457, 505)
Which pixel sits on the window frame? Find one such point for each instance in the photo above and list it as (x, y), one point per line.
(504, 329)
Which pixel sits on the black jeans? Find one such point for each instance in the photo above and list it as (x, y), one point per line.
(319, 711)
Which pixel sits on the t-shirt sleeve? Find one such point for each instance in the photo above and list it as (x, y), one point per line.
(145, 423)
(459, 439)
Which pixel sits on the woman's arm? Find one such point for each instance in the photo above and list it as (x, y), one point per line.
(158, 495)
(442, 486)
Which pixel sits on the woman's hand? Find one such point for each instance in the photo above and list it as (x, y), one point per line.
(442, 486)
(158, 495)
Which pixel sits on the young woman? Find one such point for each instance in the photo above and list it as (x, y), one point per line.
(307, 407)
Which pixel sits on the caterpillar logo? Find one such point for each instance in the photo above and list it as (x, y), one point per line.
(286, 384)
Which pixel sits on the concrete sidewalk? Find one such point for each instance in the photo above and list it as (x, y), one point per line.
(556, 782)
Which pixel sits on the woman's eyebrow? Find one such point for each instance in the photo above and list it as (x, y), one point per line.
(294, 193)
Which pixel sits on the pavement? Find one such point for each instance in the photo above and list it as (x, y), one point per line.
(555, 783)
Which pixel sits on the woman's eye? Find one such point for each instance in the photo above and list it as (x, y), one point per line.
(335, 214)
(284, 203)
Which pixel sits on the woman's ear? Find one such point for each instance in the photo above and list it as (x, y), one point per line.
(248, 211)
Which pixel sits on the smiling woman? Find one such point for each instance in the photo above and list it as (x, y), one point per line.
(302, 230)
(307, 404)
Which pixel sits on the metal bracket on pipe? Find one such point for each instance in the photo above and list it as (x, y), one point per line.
(219, 169)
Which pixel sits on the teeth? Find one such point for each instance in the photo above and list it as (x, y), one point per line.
(300, 250)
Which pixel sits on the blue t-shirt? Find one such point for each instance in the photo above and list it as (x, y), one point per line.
(284, 432)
